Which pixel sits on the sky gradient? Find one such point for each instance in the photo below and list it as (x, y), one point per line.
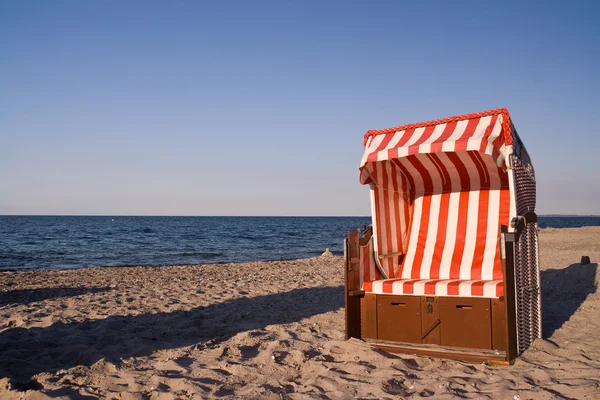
(259, 108)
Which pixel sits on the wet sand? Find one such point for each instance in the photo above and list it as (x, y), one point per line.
(270, 330)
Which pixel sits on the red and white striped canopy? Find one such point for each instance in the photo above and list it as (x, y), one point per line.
(487, 132)
(439, 192)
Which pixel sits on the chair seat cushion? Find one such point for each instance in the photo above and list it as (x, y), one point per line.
(436, 287)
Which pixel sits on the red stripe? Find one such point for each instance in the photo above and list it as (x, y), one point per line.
(482, 218)
(393, 152)
(436, 260)
(482, 222)
(461, 231)
(443, 171)
(427, 182)
(477, 288)
(477, 157)
(368, 286)
(504, 217)
(461, 143)
(463, 213)
(398, 202)
(500, 289)
(386, 221)
(422, 238)
(437, 145)
(366, 262)
(453, 288)
(410, 223)
(465, 180)
(408, 286)
(429, 287)
(478, 162)
(386, 287)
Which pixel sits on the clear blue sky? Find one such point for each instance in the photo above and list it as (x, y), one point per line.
(259, 107)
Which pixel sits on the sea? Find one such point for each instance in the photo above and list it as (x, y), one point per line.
(30, 243)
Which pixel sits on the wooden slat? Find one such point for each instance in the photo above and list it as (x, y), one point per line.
(477, 356)
(352, 283)
(508, 270)
(498, 324)
(368, 316)
(430, 321)
(466, 322)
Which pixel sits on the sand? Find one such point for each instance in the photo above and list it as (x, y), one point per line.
(269, 330)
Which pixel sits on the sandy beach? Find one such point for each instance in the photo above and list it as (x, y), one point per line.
(270, 330)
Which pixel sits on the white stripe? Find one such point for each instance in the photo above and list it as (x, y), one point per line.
(374, 223)
(451, 228)
(470, 235)
(378, 286)
(441, 288)
(459, 130)
(392, 219)
(489, 288)
(371, 147)
(464, 288)
(414, 234)
(474, 142)
(393, 142)
(491, 242)
(432, 228)
(495, 133)
(415, 137)
(419, 287)
(503, 161)
(425, 147)
(398, 287)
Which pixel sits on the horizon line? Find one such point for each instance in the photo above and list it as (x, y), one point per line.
(242, 216)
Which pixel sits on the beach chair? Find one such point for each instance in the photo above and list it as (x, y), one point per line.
(449, 267)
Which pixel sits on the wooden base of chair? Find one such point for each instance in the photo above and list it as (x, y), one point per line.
(460, 328)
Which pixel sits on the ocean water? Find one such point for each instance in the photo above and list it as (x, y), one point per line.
(63, 242)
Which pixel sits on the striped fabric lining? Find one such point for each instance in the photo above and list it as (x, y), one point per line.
(437, 287)
(455, 225)
(368, 268)
(439, 194)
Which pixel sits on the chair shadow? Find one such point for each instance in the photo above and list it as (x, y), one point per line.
(563, 291)
(24, 296)
(27, 352)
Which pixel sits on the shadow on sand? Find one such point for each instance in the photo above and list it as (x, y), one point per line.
(16, 297)
(563, 291)
(26, 352)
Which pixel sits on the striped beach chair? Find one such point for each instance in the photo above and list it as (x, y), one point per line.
(449, 267)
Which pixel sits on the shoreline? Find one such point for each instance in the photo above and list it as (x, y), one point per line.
(334, 252)
(159, 265)
(269, 330)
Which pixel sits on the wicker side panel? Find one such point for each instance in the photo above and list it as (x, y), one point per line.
(527, 271)
(527, 285)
